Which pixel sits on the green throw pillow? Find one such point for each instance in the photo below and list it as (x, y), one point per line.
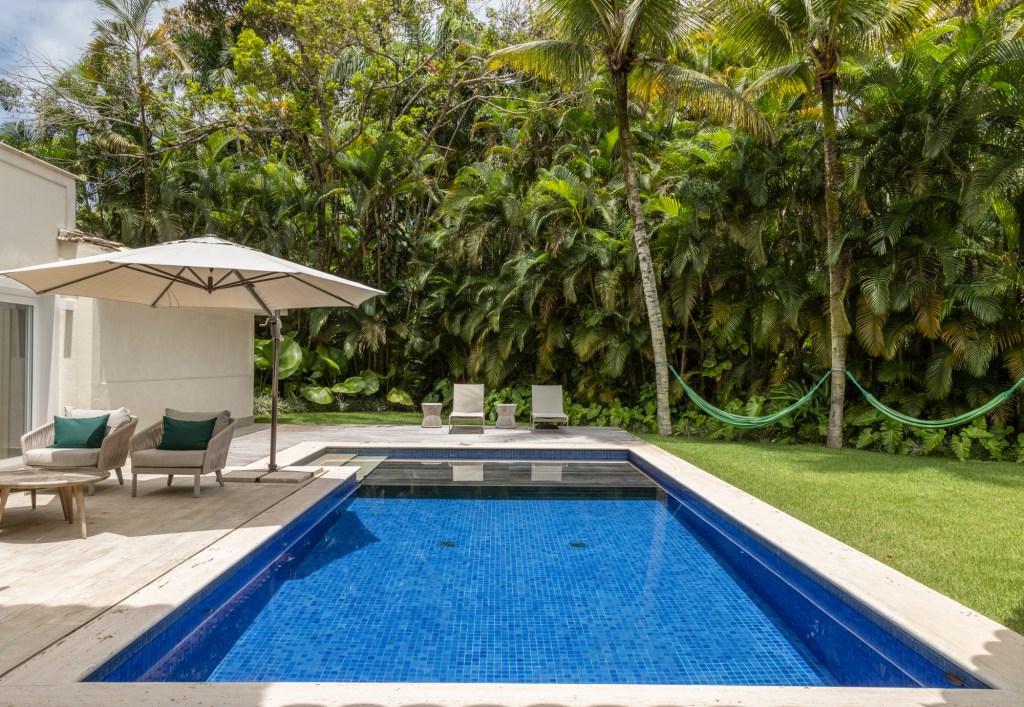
(186, 434)
(79, 432)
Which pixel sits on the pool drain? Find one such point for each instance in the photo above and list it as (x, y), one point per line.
(577, 544)
(447, 543)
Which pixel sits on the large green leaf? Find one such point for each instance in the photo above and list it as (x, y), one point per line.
(325, 355)
(263, 354)
(289, 358)
(399, 397)
(372, 383)
(316, 394)
(961, 445)
(350, 386)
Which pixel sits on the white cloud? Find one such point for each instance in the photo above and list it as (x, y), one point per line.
(55, 29)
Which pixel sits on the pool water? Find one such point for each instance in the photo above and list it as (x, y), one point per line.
(524, 566)
(515, 590)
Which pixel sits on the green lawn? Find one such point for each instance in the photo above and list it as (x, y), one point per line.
(956, 526)
(347, 418)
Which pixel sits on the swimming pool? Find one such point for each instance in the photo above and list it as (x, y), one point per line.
(530, 570)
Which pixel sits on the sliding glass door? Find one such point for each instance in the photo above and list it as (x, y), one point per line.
(15, 375)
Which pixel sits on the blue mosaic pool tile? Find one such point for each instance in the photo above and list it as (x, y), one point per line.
(381, 599)
(855, 645)
(180, 646)
(475, 454)
(858, 646)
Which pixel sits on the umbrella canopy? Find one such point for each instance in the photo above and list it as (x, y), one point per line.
(200, 272)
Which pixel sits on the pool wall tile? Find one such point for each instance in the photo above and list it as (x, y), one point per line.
(475, 454)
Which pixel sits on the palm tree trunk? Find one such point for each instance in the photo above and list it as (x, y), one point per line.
(144, 144)
(643, 250)
(839, 325)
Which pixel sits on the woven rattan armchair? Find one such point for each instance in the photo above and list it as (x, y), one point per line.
(147, 459)
(111, 456)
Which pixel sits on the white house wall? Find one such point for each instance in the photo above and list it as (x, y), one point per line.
(36, 201)
(101, 354)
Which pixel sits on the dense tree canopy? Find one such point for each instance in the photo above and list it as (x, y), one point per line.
(872, 201)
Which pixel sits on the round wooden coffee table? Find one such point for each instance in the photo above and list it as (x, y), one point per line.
(66, 482)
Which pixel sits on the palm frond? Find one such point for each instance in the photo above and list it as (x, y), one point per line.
(656, 78)
(769, 31)
(548, 59)
(657, 25)
(783, 80)
(581, 19)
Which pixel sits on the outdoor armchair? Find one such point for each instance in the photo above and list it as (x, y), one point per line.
(147, 459)
(467, 404)
(111, 455)
(547, 405)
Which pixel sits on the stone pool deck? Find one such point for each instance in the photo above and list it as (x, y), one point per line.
(67, 604)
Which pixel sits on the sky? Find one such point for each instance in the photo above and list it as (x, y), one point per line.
(60, 29)
(55, 29)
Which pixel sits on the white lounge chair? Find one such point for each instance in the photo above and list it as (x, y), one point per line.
(547, 405)
(468, 404)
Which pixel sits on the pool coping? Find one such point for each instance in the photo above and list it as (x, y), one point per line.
(992, 652)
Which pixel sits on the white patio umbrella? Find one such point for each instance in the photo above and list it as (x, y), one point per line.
(200, 272)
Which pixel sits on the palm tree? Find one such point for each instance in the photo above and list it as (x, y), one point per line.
(123, 46)
(808, 41)
(631, 40)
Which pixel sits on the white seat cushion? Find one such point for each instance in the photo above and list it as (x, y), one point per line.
(62, 457)
(550, 416)
(118, 418)
(169, 458)
(223, 418)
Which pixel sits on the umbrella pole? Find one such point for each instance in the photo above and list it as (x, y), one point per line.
(275, 334)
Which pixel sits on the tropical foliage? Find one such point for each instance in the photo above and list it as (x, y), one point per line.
(535, 190)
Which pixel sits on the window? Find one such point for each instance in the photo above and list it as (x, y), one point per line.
(15, 376)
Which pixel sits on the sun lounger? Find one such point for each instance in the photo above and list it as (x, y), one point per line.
(468, 404)
(547, 406)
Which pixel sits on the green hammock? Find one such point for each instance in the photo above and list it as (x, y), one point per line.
(744, 421)
(935, 424)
